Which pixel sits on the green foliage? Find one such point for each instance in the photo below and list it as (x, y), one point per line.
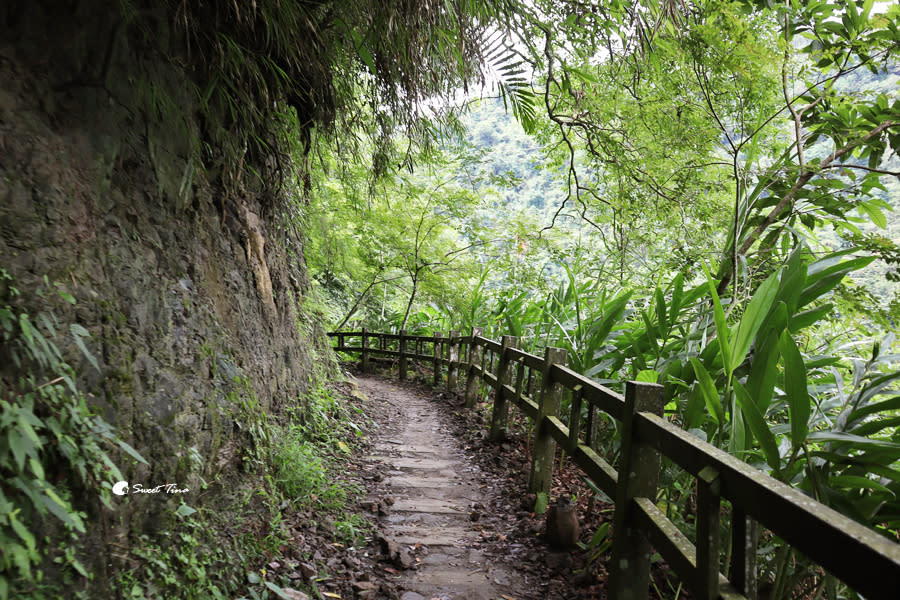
(53, 448)
(204, 556)
(177, 562)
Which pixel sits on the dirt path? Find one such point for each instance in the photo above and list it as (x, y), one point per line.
(432, 503)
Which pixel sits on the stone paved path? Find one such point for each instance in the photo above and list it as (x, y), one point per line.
(434, 492)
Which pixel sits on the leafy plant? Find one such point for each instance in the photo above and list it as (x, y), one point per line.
(53, 447)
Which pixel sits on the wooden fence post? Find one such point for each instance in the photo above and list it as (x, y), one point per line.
(500, 413)
(453, 357)
(743, 553)
(472, 382)
(365, 351)
(544, 446)
(638, 475)
(437, 358)
(709, 506)
(575, 417)
(402, 354)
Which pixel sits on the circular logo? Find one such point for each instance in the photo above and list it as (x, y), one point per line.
(120, 488)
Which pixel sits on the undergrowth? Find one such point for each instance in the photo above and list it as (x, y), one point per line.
(216, 551)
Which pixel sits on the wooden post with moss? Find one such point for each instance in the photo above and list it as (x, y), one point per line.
(453, 365)
(638, 476)
(544, 445)
(472, 380)
(500, 413)
(402, 354)
(436, 365)
(365, 351)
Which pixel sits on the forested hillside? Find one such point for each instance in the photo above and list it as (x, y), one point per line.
(700, 194)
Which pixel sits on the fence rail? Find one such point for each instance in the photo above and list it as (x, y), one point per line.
(864, 560)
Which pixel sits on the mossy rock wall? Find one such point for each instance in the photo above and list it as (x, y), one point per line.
(192, 290)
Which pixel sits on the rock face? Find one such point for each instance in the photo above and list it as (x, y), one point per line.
(191, 289)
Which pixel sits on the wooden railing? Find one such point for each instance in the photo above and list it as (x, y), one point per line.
(864, 560)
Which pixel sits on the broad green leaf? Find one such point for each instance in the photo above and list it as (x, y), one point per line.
(795, 389)
(721, 325)
(758, 426)
(677, 294)
(22, 531)
(710, 394)
(36, 468)
(185, 511)
(20, 447)
(737, 443)
(753, 318)
(806, 318)
(694, 414)
(874, 213)
(79, 332)
(764, 369)
(661, 310)
(886, 405)
(131, 451)
(61, 509)
(362, 50)
(875, 426)
(857, 482)
(647, 376)
(849, 438)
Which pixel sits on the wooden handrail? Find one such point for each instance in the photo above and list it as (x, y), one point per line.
(866, 561)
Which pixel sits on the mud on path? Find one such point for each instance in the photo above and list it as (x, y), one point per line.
(435, 506)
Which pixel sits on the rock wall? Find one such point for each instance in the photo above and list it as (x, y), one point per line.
(192, 293)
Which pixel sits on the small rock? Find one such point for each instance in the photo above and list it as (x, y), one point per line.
(361, 586)
(405, 560)
(389, 500)
(307, 570)
(293, 594)
(389, 547)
